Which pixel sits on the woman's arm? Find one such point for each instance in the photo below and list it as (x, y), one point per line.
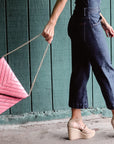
(103, 21)
(107, 28)
(48, 31)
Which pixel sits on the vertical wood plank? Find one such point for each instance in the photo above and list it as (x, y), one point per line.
(73, 5)
(98, 97)
(3, 41)
(3, 47)
(17, 28)
(41, 94)
(112, 20)
(61, 60)
(89, 84)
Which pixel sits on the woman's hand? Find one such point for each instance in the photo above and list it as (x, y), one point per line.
(108, 29)
(48, 32)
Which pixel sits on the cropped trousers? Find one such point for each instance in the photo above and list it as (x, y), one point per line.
(89, 48)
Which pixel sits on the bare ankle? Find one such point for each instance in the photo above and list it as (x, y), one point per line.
(77, 123)
(77, 119)
(112, 113)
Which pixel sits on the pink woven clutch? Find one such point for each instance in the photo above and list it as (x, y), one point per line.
(11, 90)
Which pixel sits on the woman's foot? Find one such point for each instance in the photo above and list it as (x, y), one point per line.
(77, 129)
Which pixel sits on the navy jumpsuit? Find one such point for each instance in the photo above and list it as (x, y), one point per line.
(89, 48)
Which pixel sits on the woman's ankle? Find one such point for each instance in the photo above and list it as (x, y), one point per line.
(77, 119)
(112, 113)
(77, 123)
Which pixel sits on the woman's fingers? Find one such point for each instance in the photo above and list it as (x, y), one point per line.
(48, 35)
(45, 34)
(109, 31)
(112, 31)
(106, 31)
(108, 34)
(50, 40)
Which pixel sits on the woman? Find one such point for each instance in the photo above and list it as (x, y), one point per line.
(89, 47)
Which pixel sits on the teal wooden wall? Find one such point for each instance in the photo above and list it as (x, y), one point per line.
(20, 20)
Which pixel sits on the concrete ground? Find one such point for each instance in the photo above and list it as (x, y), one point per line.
(55, 132)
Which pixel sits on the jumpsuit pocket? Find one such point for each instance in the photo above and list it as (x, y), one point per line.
(95, 20)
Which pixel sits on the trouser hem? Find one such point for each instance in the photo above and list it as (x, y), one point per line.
(78, 106)
(110, 107)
